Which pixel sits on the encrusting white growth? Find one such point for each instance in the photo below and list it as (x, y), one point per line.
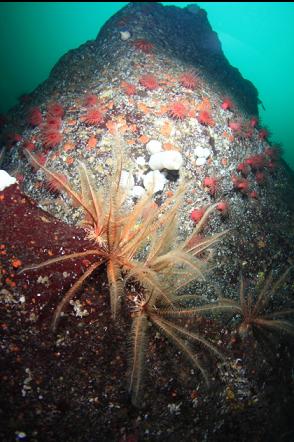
(154, 181)
(141, 161)
(124, 35)
(202, 152)
(154, 146)
(200, 161)
(6, 180)
(170, 160)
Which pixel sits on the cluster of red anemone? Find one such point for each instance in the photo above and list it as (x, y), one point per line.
(197, 214)
(50, 131)
(257, 164)
(242, 129)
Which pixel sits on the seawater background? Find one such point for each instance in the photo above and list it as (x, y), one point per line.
(257, 38)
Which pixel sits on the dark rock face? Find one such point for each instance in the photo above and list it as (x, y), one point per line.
(73, 386)
(186, 34)
(183, 33)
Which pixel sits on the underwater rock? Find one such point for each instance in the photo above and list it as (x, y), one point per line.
(78, 376)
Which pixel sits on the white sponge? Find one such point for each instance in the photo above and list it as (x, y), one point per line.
(170, 160)
(6, 180)
(154, 146)
(154, 181)
(138, 191)
(202, 152)
(124, 35)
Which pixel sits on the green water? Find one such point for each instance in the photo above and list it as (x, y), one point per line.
(257, 38)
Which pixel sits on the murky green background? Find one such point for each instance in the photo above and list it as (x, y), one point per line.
(257, 38)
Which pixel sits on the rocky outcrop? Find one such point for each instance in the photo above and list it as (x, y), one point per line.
(157, 76)
(186, 35)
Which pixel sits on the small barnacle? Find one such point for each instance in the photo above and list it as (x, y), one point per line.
(125, 34)
(43, 280)
(174, 408)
